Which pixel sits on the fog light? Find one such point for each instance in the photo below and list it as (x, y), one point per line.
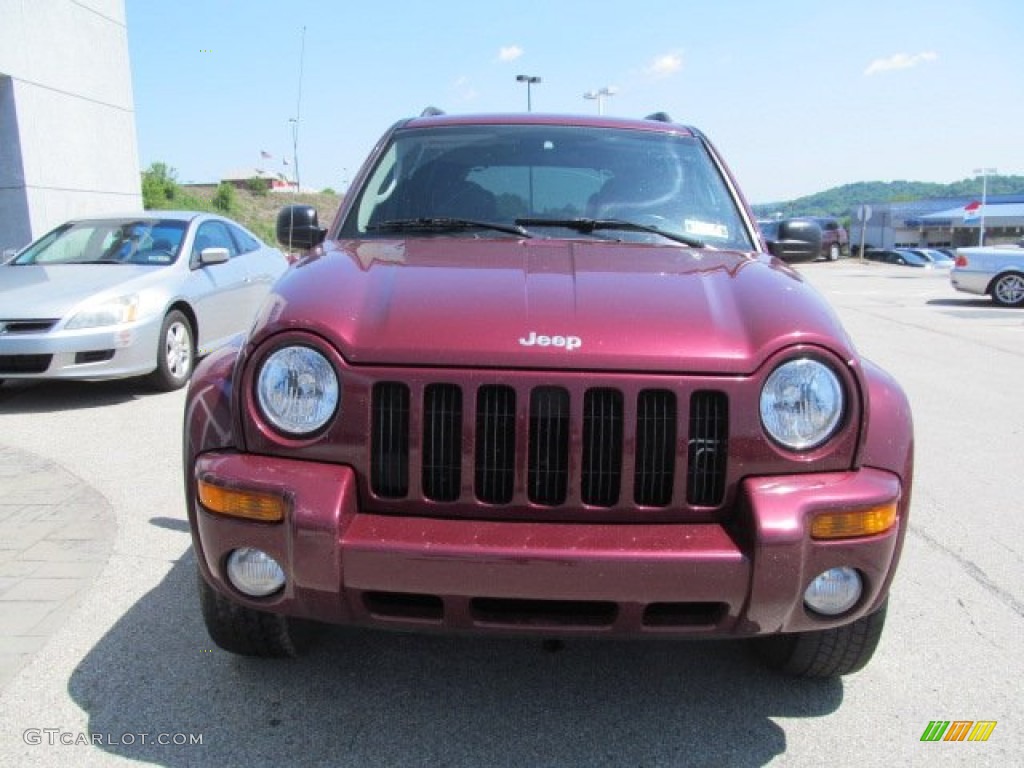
(834, 592)
(254, 572)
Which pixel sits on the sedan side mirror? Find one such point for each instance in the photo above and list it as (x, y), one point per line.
(298, 228)
(210, 256)
(797, 240)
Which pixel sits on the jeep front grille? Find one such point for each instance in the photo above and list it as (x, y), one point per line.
(538, 443)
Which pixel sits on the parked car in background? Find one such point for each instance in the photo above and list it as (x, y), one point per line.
(936, 259)
(538, 377)
(141, 294)
(835, 240)
(996, 271)
(895, 256)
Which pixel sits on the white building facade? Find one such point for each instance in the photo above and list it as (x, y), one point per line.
(68, 145)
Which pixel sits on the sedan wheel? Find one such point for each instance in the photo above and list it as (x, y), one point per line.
(1008, 291)
(175, 354)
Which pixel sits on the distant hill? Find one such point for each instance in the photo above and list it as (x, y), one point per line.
(839, 201)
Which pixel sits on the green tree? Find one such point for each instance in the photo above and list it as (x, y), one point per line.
(159, 186)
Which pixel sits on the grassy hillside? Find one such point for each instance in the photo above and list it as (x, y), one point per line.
(839, 201)
(258, 212)
(253, 206)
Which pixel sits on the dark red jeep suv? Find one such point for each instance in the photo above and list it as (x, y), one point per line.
(539, 376)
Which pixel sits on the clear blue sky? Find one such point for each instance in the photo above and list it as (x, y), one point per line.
(799, 96)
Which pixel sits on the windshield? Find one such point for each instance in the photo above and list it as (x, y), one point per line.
(108, 241)
(548, 181)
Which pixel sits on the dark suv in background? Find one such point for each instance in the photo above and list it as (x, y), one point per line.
(835, 240)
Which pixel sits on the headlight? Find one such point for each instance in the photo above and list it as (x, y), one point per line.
(124, 309)
(298, 390)
(802, 404)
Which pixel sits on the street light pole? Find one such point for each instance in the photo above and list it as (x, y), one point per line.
(984, 192)
(298, 115)
(599, 95)
(529, 80)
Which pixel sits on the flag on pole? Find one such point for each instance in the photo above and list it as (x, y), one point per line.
(972, 212)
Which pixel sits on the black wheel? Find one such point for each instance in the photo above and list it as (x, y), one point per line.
(175, 353)
(824, 653)
(248, 632)
(1008, 290)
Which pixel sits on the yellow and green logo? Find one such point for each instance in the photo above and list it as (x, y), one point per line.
(958, 730)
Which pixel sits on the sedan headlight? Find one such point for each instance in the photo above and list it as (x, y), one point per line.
(124, 309)
(298, 390)
(802, 404)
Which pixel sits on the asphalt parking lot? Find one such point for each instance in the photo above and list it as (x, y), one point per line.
(104, 659)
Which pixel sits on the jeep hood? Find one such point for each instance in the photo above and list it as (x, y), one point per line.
(564, 304)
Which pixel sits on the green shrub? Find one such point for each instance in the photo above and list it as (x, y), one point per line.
(258, 186)
(159, 186)
(224, 198)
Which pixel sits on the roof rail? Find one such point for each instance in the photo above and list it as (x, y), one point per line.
(431, 112)
(661, 117)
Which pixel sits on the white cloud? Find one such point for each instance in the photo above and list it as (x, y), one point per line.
(899, 61)
(665, 65)
(510, 53)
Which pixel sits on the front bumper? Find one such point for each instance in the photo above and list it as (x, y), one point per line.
(110, 352)
(351, 567)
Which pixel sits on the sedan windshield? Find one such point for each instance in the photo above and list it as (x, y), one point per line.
(548, 182)
(108, 241)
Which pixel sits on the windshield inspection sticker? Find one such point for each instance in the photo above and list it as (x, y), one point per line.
(705, 229)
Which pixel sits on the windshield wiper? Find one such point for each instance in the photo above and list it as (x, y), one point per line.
(446, 223)
(591, 225)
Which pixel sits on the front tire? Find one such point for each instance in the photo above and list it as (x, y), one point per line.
(1008, 290)
(175, 354)
(244, 631)
(826, 652)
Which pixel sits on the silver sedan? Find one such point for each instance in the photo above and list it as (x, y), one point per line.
(996, 271)
(137, 295)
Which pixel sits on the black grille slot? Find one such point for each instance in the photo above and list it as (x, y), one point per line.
(602, 447)
(654, 475)
(707, 449)
(543, 613)
(494, 480)
(26, 326)
(442, 442)
(24, 363)
(389, 473)
(94, 356)
(548, 472)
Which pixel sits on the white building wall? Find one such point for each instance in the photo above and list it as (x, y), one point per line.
(67, 121)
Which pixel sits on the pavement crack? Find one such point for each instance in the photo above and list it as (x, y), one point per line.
(972, 570)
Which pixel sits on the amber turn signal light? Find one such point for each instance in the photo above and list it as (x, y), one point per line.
(849, 525)
(236, 502)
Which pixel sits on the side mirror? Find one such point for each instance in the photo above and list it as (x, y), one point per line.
(797, 240)
(210, 256)
(298, 228)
